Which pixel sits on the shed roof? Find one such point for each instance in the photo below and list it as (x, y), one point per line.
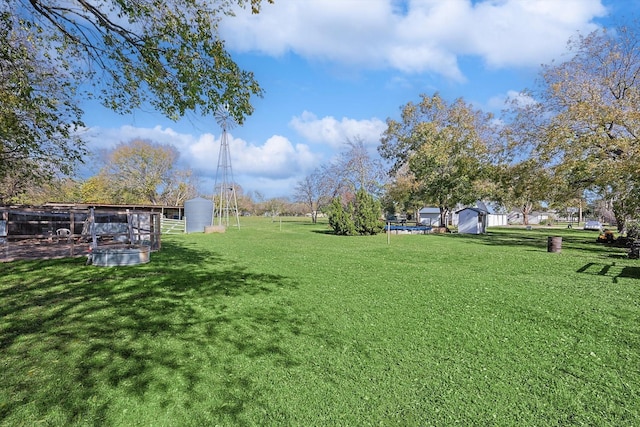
(478, 210)
(429, 210)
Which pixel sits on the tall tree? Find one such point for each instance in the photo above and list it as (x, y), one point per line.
(358, 169)
(167, 53)
(59, 190)
(402, 194)
(523, 186)
(180, 186)
(586, 123)
(142, 172)
(310, 191)
(125, 53)
(354, 169)
(444, 145)
(97, 189)
(139, 169)
(38, 114)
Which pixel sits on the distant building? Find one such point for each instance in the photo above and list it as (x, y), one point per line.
(429, 216)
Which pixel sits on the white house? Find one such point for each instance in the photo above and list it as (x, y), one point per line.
(429, 216)
(472, 221)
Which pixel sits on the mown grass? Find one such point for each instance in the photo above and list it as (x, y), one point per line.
(286, 324)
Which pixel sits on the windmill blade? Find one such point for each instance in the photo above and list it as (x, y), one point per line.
(224, 118)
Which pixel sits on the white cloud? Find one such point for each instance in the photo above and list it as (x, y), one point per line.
(272, 168)
(265, 167)
(335, 133)
(278, 158)
(425, 36)
(519, 32)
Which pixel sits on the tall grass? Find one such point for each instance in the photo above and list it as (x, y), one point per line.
(287, 324)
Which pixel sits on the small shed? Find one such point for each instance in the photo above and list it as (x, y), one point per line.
(429, 216)
(472, 221)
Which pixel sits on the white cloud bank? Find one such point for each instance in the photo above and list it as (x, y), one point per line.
(335, 133)
(276, 158)
(414, 36)
(272, 167)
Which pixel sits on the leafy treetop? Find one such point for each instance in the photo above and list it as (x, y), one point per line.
(164, 52)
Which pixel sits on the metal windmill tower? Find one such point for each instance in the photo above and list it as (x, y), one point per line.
(227, 202)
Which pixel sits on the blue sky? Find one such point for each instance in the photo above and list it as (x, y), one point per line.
(334, 70)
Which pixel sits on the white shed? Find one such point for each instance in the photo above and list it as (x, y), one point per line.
(429, 216)
(472, 221)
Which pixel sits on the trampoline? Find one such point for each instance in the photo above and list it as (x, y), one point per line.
(407, 229)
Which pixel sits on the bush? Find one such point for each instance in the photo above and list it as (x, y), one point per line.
(367, 214)
(339, 219)
(359, 218)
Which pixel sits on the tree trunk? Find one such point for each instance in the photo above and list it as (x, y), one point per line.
(444, 212)
(620, 215)
(580, 213)
(526, 210)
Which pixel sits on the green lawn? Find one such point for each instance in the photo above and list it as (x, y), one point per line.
(286, 324)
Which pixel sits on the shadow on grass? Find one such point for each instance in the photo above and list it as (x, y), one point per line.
(612, 270)
(76, 339)
(503, 239)
(329, 231)
(537, 239)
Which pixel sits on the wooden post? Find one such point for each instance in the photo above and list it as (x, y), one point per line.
(157, 232)
(388, 233)
(92, 228)
(72, 228)
(4, 237)
(130, 226)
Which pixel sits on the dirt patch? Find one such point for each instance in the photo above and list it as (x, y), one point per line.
(41, 249)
